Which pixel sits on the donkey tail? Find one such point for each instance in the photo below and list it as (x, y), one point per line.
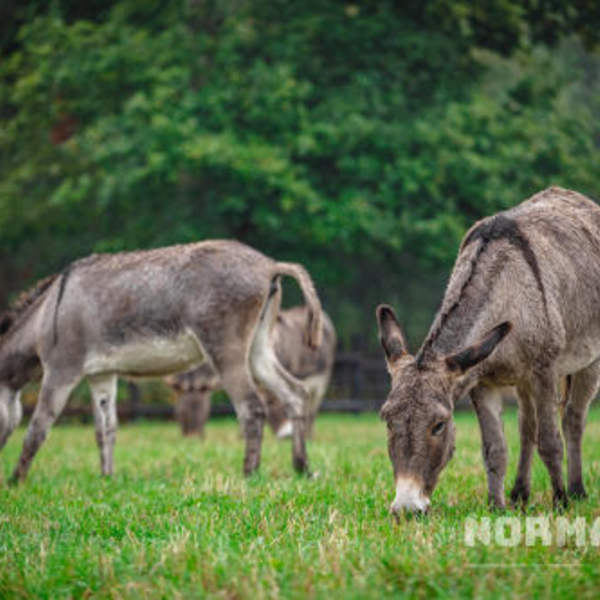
(313, 334)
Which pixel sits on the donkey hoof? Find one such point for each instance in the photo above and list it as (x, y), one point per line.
(560, 501)
(497, 505)
(250, 470)
(519, 495)
(301, 467)
(577, 492)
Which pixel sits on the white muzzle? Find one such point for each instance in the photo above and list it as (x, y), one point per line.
(409, 496)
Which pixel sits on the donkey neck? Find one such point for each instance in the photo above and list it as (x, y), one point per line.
(468, 305)
(19, 361)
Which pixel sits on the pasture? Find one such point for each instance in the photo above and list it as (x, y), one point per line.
(179, 520)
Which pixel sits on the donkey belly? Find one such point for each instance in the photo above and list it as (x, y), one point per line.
(583, 350)
(147, 357)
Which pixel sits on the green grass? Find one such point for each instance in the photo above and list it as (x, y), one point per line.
(179, 520)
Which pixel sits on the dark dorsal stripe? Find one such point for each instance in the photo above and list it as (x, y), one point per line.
(499, 227)
(61, 292)
(502, 227)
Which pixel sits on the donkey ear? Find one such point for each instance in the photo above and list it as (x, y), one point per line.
(390, 334)
(465, 359)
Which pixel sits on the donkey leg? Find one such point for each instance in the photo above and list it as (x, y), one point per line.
(488, 406)
(310, 429)
(295, 397)
(192, 411)
(545, 395)
(203, 412)
(52, 399)
(269, 373)
(11, 412)
(4, 424)
(274, 377)
(583, 390)
(15, 411)
(249, 408)
(528, 434)
(5, 431)
(316, 398)
(277, 416)
(104, 395)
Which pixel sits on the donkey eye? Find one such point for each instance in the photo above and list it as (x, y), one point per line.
(438, 428)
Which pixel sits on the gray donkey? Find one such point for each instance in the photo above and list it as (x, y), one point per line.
(530, 275)
(149, 314)
(312, 366)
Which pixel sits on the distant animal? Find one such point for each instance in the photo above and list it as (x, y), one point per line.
(522, 308)
(149, 314)
(194, 389)
(311, 366)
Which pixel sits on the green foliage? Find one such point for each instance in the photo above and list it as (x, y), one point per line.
(179, 520)
(361, 139)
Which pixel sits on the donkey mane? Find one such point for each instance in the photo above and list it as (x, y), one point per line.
(13, 314)
(498, 227)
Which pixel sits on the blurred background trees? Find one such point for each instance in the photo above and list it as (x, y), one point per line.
(359, 138)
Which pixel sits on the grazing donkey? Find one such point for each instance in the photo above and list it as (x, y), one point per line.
(149, 314)
(311, 366)
(530, 275)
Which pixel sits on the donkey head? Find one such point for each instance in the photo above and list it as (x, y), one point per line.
(419, 407)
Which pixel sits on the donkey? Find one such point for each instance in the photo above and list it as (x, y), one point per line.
(311, 366)
(522, 308)
(194, 389)
(149, 314)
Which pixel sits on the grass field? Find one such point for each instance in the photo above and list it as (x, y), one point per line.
(178, 520)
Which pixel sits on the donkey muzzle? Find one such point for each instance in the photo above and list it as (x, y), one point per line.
(409, 497)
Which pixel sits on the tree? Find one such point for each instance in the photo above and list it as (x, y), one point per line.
(360, 139)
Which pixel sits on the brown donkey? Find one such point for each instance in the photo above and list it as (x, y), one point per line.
(193, 391)
(149, 314)
(312, 366)
(530, 275)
